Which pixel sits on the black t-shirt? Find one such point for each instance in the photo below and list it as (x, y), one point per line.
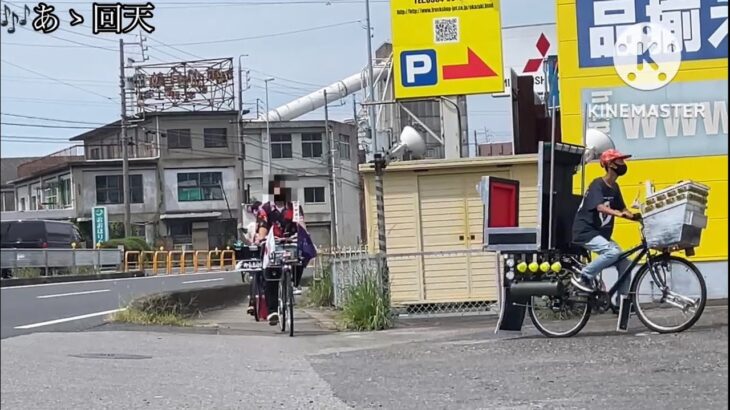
(588, 222)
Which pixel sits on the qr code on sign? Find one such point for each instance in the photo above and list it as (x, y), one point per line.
(446, 30)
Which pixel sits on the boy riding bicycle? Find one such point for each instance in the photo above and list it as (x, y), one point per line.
(593, 223)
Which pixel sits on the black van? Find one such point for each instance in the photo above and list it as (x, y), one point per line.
(34, 234)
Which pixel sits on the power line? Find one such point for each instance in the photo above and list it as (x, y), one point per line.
(283, 33)
(19, 124)
(84, 45)
(57, 80)
(55, 101)
(287, 79)
(176, 49)
(71, 80)
(32, 117)
(194, 4)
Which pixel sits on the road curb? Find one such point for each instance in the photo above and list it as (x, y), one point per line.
(69, 278)
(194, 301)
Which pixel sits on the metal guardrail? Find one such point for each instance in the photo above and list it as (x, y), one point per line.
(59, 258)
(176, 261)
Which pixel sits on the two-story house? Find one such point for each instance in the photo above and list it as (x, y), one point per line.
(185, 179)
(300, 150)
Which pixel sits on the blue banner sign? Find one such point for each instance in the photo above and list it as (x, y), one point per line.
(683, 119)
(100, 224)
(701, 25)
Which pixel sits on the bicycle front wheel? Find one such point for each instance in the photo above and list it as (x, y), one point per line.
(290, 305)
(282, 302)
(669, 294)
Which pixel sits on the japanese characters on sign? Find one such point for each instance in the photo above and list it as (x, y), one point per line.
(702, 26)
(100, 224)
(205, 85)
(115, 18)
(111, 18)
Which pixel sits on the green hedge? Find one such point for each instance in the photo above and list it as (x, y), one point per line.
(133, 243)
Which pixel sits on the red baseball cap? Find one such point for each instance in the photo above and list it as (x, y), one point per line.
(611, 155)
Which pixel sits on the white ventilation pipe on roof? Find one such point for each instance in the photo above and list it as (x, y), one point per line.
(315, 100)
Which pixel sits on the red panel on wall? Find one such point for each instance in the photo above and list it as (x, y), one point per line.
(503, 204)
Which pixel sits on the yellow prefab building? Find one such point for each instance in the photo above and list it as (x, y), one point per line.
(669, 146)
(433, 206)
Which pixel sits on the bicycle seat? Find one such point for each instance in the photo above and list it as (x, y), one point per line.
(577, 250)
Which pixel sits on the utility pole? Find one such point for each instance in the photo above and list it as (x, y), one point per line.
(267, 144)
(371, 79)
(333, 195)
(476, 145)
(125, 143)
(379, 162)
(124, 139)
(242, 146)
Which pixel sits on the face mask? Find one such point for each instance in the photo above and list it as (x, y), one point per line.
(621, 169)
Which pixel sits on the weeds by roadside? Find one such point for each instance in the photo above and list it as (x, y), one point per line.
(137, 316)
(155, 310)
(321, 292)
(366, 308)
(26, 273)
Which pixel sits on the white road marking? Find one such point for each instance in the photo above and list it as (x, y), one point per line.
(162, 277)
(88, 292)
(69, 319)
(202, 280)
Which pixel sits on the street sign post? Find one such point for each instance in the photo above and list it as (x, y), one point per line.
(446, 48)
(100, 224)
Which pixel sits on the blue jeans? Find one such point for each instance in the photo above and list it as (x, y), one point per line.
(608, 255)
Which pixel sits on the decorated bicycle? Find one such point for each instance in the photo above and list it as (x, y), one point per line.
(540, 267)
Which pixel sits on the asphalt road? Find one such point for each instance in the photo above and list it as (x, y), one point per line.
(75, 306)
(432, 364)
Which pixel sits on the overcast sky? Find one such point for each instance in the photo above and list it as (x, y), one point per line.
(301, 62)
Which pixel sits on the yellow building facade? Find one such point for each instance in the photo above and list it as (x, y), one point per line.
(668, 148)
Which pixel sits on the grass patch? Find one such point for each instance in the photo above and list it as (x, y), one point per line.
(138, 316)
(365, 307)
(321, 293)
(27, 273)
(158, 310)
(132, 243)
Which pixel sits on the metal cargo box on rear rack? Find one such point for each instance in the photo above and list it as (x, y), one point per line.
(538, 249)
(675, 217)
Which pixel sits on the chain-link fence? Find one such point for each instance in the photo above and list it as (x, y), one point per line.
(458, 282)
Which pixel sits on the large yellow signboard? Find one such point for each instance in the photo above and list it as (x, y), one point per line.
(446, 47)
(668, 146)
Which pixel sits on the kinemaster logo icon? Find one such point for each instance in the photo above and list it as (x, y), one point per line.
(647, 56)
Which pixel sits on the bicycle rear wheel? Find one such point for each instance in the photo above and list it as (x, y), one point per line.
(563, 315)
(290, 304)
(256, 295)
(665, 285)
(282, 301)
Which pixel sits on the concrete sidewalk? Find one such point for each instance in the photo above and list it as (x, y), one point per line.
(310, 321)
(235, 321)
